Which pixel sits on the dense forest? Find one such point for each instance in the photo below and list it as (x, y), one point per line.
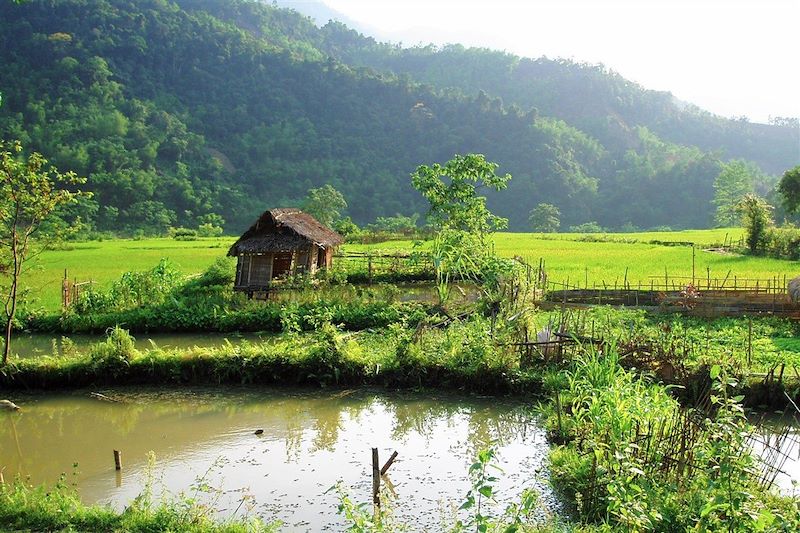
(180, 112)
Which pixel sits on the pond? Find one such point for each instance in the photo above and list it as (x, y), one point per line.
(777, 442)
(310, 440)
(26, 345)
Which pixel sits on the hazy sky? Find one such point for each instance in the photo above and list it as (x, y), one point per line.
(731, 57)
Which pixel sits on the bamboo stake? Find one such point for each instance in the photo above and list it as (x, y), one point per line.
(388, 463)
(117, 460)
(376, 478)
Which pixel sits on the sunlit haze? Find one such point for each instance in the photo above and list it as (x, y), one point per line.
(730, 57)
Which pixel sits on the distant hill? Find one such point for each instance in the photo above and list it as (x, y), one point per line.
(179, 109)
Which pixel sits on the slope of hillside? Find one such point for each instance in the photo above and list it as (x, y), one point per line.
(179, 110)
(590, 97)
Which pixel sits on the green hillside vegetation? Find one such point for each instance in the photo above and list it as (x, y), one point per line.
(182, 112)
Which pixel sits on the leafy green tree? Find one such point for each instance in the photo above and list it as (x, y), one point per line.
(30, 193)
(789, 189)
(756, 219)
(545, 218)
(452, 192)
(733, 182)
(324, 204)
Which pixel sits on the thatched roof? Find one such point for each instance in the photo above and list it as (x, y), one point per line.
(284, 230)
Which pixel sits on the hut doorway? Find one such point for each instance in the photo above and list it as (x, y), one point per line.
(281, 265)
(321, 263)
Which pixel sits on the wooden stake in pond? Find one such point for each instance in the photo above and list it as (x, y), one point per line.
(117, 460)
(376, 478)
(388, 463)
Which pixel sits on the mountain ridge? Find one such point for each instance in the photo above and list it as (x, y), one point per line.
(180, 110)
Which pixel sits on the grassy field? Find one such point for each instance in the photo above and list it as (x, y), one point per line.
(566, 256)
(104, 261)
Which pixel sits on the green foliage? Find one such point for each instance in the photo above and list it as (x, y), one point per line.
(614, 483)
(183, 234)
(30, 194)
(783, 242)
(59, 508)
(398, 224)
(545, 218)
(165, 142)
(734, 181)
(586, 227)
(324, 204)
(789, 189)
(114, 355)
(756, 219)
(451, 191)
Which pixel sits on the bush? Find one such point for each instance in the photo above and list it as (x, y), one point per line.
(113, 355)
(208, 230)
(183, 234)
(782, 243)
(587, 227)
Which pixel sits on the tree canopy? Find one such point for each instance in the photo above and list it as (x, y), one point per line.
(452, 192)
(789, 189)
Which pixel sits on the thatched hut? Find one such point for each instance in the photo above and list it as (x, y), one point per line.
(282, 242)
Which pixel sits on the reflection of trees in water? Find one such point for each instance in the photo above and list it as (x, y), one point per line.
(78, 424)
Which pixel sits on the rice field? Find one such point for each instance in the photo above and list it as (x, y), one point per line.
(566, 257)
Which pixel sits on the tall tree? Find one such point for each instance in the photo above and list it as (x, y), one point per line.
(756, 216)
(30, 193)
(325, 204)
(789, 189)
(734, 181)
(545, 218)
(452, 192)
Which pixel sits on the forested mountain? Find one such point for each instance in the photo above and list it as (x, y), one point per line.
(176, 110)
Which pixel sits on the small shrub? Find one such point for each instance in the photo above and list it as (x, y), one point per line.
(586, 227)
(183, 234)
(208, 230)
(114, 354)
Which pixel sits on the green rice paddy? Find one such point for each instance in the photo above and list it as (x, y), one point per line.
(604, 258)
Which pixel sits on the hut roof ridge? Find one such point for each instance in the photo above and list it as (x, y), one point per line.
(302, 227)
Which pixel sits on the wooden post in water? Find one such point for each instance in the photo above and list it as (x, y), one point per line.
(376, 479)
(117, 460)
(385, 467)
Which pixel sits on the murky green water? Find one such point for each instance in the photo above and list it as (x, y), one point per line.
(310, 441)
(25, 345)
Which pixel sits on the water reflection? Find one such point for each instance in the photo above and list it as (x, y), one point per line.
(777, 442)
(311, 439)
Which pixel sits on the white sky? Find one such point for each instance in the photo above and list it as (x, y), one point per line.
(730, 57)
